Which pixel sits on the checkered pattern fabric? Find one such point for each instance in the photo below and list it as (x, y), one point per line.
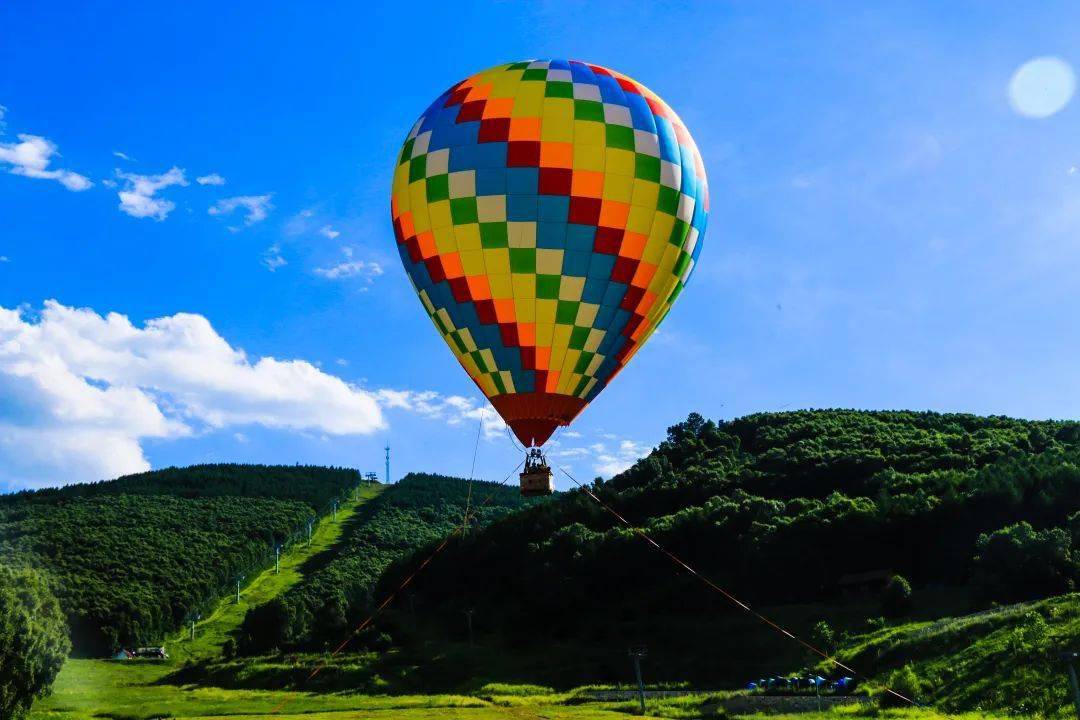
(548, 213)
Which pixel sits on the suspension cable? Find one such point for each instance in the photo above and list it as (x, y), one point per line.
(736, 601)
(472, 472)
(393, 594)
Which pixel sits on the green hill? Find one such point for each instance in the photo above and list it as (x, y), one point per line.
(132, 558)
(417, 510)
(786, 510)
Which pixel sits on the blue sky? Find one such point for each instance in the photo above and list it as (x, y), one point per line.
(888, 228)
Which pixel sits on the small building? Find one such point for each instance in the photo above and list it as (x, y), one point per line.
(864, 584)
(153, 653)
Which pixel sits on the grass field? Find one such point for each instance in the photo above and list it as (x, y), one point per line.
(89, 689)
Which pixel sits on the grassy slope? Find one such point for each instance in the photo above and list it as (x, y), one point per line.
(93, 689)
(85, 688)
(1005, 658)
(212, 632)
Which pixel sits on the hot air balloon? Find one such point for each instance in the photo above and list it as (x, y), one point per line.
(548, 214)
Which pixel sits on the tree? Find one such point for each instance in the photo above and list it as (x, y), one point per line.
(824, 637)
(896, 596)
(1020, 563)
(33, 639)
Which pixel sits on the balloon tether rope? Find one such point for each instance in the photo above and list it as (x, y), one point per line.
(736, 601)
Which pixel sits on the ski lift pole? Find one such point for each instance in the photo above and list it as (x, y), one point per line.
(636, 653)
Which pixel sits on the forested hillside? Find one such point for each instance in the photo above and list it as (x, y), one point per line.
(785, 510)
(131, 558)
(417, 510)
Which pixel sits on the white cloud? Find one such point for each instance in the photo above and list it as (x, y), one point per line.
(451, 409)
(257, 207)
(31, 157)
(607, 458)
(82, 391)
(272, 258)
(123, 156)
(350, 268)
(137, 196)
(211, 179)
(329, 231)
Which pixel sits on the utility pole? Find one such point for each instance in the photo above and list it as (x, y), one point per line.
(1070, 658)
(310, 523)
(277, 558)
(194, 618)
(239, 579)
(636, 653)
(388, 464)
(468, 619)
(335, 508)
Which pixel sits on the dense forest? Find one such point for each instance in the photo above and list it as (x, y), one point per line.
(417, 510)
(785, 509)
(130, 559)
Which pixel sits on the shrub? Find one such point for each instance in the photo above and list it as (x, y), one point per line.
(33, 639)
(896, 597)
(903, 681)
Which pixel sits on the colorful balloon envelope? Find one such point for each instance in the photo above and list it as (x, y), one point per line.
(548, 214)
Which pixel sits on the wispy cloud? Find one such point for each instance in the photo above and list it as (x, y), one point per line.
(83, 391)
(351, 268)
(329, 232)
(31, 157)
(123, 156)
(137, 197)
(607, 458)
(256, 207)
(272, 258)
(4, 259)
(211, 179)
(3, 123)
(451, 409)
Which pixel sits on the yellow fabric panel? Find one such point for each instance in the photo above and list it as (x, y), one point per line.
(524, 286)
(524, 309)
(589, 132)
(619, 162)
(439, 214)
(501, 287)
(640, 220)
(557, 121)
(472, 261)
(588, 157)
(529, 100)
(445, 242)
(618, 187)
(419, 207)
(545, 311)
(646, 194)
(497, 261)
(468, 236)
